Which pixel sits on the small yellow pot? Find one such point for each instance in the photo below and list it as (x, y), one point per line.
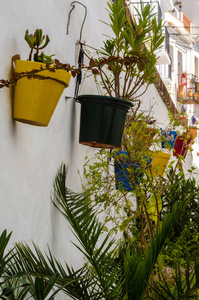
(159, 163)
(36, 99)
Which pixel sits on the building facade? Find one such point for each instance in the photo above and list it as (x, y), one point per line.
(31, 155)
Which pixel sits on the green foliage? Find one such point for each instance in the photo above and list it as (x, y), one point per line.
(177, 190)
(44, 58)
(127, 60)
(40, 288)
(15, 283)
(4, 260)
(138, 213)
(183, 284)
(35, 43)
(109, 274)
(183, 242)
(123, 209)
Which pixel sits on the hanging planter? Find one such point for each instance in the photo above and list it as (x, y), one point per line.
(38, 84)
(35, 99)
(182, 120)
(127, 173)
(159, 163)
(102, 120)
(193, 132)
(122, 72)
(181, 146)
(168, 138)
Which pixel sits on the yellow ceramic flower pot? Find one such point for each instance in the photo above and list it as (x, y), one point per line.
(35, 99)
(159, 163)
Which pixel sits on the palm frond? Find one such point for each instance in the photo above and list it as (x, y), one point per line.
(28, 262)
(138, 268)
(101, 277)
(106, 276)
(81, 214)
(184, 286)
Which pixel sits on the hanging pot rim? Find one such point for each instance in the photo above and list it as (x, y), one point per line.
(109, 100)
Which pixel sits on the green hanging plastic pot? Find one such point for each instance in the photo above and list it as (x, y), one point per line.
(102, 120)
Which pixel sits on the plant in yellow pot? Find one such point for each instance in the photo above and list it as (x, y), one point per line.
(159, 163)
(40, 86)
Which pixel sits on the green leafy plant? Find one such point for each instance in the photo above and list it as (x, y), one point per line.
(110, 273)
(19, 285)
(127, 61)
(35, 43)
(4, 260)
(183, 241)
(183, 284)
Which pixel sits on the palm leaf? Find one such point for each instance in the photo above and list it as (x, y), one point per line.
(28, 262)
(138, 268)
(81, 214)
(183, 287)
(106, 276)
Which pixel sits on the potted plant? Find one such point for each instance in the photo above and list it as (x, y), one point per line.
(128, 171)
(159, 162)
(125, 64)
(182, 144)
(39, 84)
(193, 130)
(185, 139)
(183, 117)
(136, 155)
(168, 138)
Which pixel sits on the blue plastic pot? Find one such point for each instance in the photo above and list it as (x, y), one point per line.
(169, 138)
(127, 172)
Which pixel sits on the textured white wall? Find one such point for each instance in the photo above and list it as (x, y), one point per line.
(30, 155)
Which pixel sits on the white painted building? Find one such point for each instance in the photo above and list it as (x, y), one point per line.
(31, 155)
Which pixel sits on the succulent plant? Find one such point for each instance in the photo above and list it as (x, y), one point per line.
(35, 43)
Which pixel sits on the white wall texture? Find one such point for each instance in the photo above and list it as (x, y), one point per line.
(30, 155)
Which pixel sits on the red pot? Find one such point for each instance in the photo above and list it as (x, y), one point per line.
(181, 146)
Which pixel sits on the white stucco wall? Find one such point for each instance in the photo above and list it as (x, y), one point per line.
(30, 155)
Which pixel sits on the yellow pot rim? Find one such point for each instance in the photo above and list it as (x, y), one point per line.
(162, 154)
(61, 75)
